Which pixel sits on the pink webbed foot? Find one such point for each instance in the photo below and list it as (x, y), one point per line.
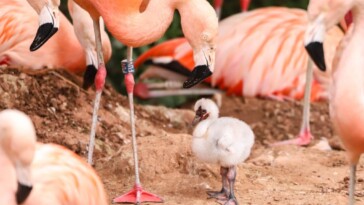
(304, 138)
(137, 195)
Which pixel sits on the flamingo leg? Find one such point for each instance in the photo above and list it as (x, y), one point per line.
(99, 84)
(244, 5)
(352, 184)
(305, 136)
(137, 195)
(224, 193)
(218, 6)
(231, 176)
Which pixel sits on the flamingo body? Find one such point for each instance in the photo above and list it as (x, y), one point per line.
(347, 88)
(252, 64)
(17, 27)
(62, 177)
(50, 174)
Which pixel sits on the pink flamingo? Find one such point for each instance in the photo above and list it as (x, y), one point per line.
(274, 66)
(17, 25)
(36, 174)
(17, 28)
(346, 91)
(135, 23)
(49, 24)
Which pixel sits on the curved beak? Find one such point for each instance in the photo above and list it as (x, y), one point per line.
(22, 193)
(24, 183)
(196, 120)
(89, 76)
(204, 60)
(48, 26)
(91, 70)
(314, 38)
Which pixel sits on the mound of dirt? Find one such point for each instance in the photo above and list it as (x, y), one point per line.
(61, 112)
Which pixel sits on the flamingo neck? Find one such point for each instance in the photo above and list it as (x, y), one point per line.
(138, 22)
(202, 127)
(348, 78)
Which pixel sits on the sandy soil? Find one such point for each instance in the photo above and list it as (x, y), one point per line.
(61, 112)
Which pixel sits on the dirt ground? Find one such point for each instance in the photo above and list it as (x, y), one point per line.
(283, 175)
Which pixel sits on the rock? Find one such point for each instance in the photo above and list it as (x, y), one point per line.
(322, 145)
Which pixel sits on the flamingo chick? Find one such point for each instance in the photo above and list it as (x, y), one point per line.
(346, 91)
(225, 141)
(40, 174)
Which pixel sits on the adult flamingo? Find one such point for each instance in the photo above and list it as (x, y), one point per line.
(17, 27)
(39, 174)
(346, 92)
(18, 24)
(135, 23)
(49, 23)
(274, 66)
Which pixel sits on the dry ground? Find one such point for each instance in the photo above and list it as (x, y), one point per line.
(280, 175)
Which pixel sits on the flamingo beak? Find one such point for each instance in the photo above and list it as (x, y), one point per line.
(89, 76)
(198, 74)
(314, 38)
(204, 60)
(196, 120)
(200, 115)
(22, 193)
(24, 183)
(48, 27)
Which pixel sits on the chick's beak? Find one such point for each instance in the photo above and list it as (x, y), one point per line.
(314, 38)
(196, 120)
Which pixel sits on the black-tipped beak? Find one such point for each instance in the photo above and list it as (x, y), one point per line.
(22, 193)
(89, 77)
(316, 51)
(45, 32)
(198, 74)
(196, 120)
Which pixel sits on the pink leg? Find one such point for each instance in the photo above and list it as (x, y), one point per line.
(99, 84)
(244, 5)
(137, 195)
(305, 136)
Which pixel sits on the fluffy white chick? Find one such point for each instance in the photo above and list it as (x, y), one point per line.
(225, 141)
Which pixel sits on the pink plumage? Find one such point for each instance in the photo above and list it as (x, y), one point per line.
(259, 53)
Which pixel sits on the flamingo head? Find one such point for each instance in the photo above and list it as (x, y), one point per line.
(205, 109)
(200, 26)
(17, 149)
(323, 15)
